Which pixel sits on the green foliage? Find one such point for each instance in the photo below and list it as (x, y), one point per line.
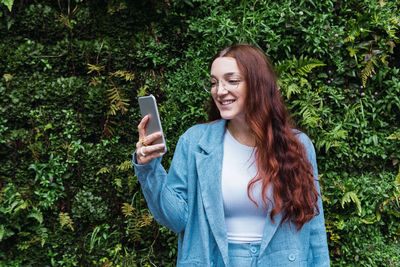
(70, 74)
(65, 220)
(8, 3)
(89, 208)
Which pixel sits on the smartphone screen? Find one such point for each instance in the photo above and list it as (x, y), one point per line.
(148, 105)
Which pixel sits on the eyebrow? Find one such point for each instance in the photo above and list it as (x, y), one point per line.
(228, 74)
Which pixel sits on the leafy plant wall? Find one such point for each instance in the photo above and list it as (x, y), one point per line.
(71, 72)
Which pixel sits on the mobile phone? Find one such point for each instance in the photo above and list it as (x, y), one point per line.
(148, 105)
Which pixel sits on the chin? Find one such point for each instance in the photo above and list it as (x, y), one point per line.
(227, 116)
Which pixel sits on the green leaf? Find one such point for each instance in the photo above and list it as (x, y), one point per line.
(65, 220)
(369, 220)
(394, 136)
(397, 180)
(47, 127)
(36, 214)
(352, 51)
(352, 197)
(118, 182)
(8, 3)
(103, 170)
(127, 209)
(2, 231)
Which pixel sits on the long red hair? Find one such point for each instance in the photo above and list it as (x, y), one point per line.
(280, 157)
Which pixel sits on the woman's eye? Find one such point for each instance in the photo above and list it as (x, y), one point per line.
(213, 83)
(233, 81)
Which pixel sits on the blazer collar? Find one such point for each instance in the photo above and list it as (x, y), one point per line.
(213, 137)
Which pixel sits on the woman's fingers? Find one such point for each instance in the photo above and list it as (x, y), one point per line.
(144, 154)
(142, 126)
(145, 151)
(149, 150)
(148, 140)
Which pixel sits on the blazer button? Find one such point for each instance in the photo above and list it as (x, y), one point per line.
(292, 257)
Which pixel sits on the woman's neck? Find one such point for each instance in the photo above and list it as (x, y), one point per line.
(241, 132)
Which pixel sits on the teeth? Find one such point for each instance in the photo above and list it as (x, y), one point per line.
(227, 102)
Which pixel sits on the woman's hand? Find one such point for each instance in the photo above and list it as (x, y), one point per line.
(145, 151)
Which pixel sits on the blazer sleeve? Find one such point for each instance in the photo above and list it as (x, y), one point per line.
(166, 194)
(318, 239)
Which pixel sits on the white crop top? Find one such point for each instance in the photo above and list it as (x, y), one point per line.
(244, 220)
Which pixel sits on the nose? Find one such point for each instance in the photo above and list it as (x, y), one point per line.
(221, 90)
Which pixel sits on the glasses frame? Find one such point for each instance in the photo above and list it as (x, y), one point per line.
(227, 85)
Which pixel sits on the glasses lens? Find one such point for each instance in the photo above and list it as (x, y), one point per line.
(231, 84)
(206, 83)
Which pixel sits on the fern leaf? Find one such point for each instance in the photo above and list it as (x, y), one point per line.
(366, 72)
(352, 197)
(65, 220)
(108, 129)
(134, 232)
(292, 89)
(309, 117)
(8, 77)
(145, 220)
(115, 97)
(129, 76)
(36, 214)
(142, 91)
(124, 74)
(301, 66)
(283, 66)
(118, 182)
(394, 136)
(96, 68)
(113, 110)
(103, 170)
(127, 209)
(349, 38)
(305, 65)
(125, 166)
(94, 81)
(383, 60)
(352, 51)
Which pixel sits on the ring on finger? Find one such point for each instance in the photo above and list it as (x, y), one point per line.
(143, 142)
(142, 153)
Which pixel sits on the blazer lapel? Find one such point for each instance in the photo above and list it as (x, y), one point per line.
(269, 231)
(209, 169)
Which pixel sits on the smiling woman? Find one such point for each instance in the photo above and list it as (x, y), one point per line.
(248, 168)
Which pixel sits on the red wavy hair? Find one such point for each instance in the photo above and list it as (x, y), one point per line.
(281, 158)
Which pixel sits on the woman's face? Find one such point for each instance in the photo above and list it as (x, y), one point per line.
(228, 88)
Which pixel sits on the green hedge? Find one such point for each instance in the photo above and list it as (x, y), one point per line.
(71, 72)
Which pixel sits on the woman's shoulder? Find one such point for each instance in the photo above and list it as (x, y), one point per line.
(303, 138)
(198, 130)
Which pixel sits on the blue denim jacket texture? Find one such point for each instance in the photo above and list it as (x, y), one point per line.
(188, 200)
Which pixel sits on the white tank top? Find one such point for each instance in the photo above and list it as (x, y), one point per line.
(244, 220)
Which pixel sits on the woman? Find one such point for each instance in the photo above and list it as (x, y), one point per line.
(242, 190)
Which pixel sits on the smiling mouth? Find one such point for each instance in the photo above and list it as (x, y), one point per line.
(226, 102)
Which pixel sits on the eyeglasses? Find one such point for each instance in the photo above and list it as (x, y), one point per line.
(212, 84)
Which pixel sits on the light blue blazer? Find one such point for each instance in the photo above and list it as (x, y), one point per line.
(188, 200)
